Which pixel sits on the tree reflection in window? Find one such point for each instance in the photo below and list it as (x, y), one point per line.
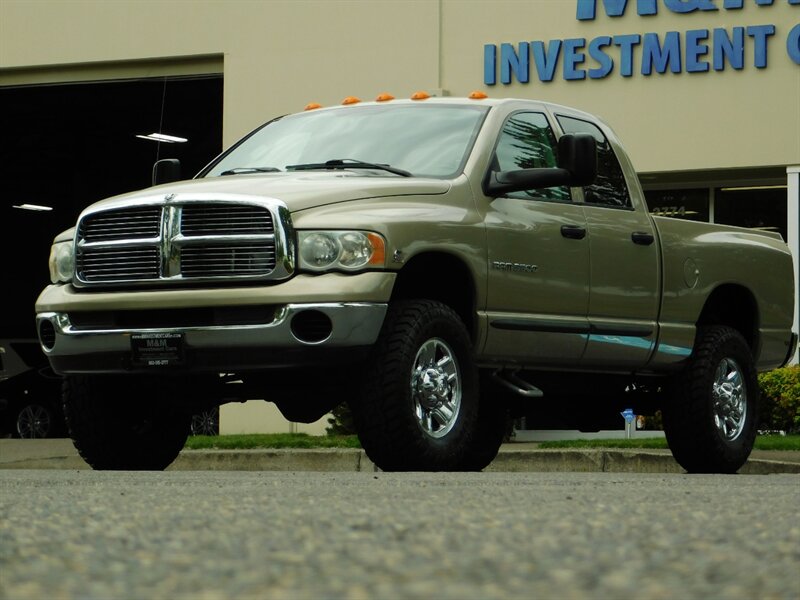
(527, 142)
(609, 188)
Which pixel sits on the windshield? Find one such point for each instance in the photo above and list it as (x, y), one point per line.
(426, 141)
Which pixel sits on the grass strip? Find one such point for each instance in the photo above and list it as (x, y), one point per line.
(303, 440)
(270, 440)
(788, 443)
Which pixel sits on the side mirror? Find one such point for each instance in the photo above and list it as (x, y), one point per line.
(577, 153)
(166, 170)
(577, 166)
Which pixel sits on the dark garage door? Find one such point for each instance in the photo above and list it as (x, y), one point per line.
(66, 146)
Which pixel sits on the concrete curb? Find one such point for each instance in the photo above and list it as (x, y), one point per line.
(509, 459)
(320, 459)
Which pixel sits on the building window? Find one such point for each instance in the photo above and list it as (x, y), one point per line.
(692, 205)
(754, 207)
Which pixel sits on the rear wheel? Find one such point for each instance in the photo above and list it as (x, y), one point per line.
(419, 409)
(710, 420)
(119, 423)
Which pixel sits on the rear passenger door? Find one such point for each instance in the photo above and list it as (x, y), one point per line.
(624, 261)
(538, 271)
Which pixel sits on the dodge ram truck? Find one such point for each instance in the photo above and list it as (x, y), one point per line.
(439, 264)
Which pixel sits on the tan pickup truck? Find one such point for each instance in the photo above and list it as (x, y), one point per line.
(439, 264)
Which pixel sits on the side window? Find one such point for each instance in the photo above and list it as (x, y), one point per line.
(527, 142)
(609, 189)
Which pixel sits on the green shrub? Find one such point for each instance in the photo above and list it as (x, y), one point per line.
(780, 399)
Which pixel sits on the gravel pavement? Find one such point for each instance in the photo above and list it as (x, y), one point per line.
(219, 535)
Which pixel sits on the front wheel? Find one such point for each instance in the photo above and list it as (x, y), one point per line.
(419, 407)
(710, 419)
(123, 423)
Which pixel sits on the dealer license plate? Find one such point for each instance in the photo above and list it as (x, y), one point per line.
(157, 349)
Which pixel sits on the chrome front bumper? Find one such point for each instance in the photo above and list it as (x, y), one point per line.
(354, 328)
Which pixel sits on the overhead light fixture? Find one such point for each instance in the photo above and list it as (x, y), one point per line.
(163, 137)
(35, 207)
(753, 188)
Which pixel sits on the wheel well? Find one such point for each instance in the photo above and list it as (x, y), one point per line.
(734, 306)
(441, 277)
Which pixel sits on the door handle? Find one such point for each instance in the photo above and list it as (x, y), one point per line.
(642, 238)
(573, 232)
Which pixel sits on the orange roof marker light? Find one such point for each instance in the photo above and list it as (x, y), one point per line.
(420, 96)
(351, 100)
(313, 106)
(477, 95)
(384, 97)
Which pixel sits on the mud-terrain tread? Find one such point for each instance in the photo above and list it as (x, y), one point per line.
(383, 411)
(688, 417)
(105, 433)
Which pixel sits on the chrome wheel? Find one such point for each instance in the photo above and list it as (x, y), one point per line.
(436, 388)
(205, 423)
(729, 395)
(34, 421)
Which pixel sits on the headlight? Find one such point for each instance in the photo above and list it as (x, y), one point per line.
(341, 250)
(62, 262)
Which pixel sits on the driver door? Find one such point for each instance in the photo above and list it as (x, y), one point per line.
(538, 253)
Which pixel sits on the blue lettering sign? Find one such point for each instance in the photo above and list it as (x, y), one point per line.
(490, 64)
(700, 50)
(687, 6)
(587, 9)
(510, 62)
(604, 60)
(573, 58)
(793, 44)
(546, 60)
(658, 56)
(737, 4)
(694, 50)
(760, 33)
(728, 48)
(626, 44)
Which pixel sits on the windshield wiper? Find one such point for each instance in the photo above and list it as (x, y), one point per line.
(241, 170)
(348, 163)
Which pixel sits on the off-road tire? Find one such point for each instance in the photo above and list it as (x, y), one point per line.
(705, 434)
(119, 423)
(492, 426)
(387, 412)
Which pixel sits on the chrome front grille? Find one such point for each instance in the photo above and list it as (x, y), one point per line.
(227, 259)
(184, 241)
(225, 219)
(115, 264)
(129, 223)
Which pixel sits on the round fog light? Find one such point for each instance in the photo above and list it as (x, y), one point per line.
(311, 326)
